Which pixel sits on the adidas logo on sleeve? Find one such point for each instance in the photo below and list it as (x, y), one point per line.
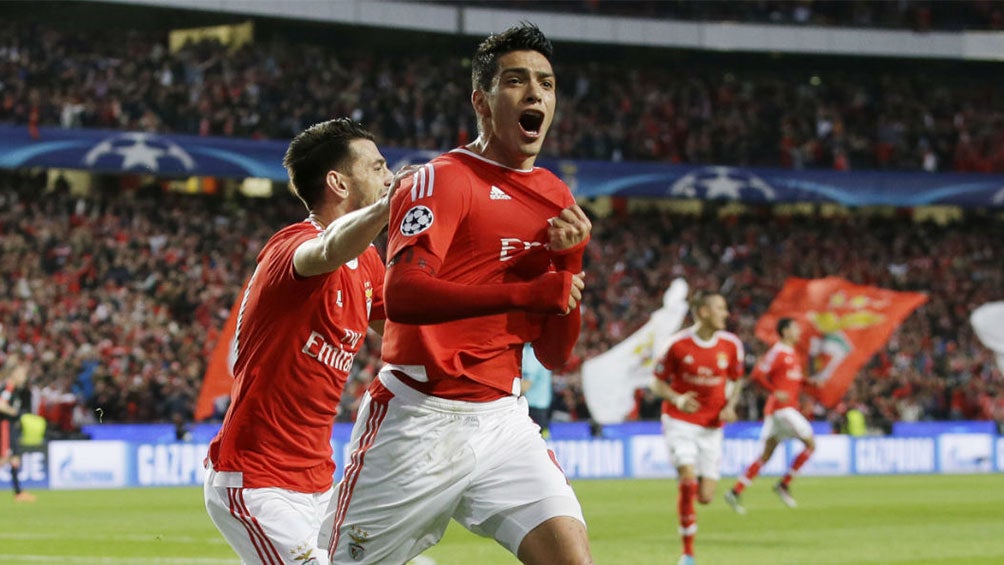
(498, 194)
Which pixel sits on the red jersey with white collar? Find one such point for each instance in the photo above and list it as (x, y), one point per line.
(780, 370)
(295, 341)
(488, 225)
(692, 364)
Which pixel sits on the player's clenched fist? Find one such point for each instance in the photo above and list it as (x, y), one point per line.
(568, 229)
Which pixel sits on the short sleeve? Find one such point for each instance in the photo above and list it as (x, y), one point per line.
(428, 208)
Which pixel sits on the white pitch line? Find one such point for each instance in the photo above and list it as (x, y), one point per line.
(131, 538)
(87, 560)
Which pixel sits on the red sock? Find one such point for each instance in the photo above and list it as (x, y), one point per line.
(688, 517)
(744, 481)
(796, 465)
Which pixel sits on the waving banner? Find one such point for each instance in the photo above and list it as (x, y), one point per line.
(609, 380)
(215, 392)
(988, 323)
(843, 325)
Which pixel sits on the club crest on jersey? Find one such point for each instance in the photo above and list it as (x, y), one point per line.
(416, 221)
(723, 361)
(689, 359)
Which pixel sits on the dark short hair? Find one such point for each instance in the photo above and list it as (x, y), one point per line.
(783, 324)
(317, 150)
(700, 298)
(523, 37)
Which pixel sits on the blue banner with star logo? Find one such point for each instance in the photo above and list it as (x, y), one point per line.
(186, 155)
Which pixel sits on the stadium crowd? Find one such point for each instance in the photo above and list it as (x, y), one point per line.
(917, 15)
(119, 296)
(785, 111)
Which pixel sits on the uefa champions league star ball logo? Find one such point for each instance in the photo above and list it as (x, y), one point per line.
(712, 183)
(416, 221)
(145, 151)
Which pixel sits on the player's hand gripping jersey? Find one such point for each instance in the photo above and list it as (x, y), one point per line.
(470, 221)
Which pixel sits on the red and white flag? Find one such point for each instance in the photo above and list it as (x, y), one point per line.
(843, 325)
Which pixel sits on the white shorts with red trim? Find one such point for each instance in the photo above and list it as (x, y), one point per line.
(694, 446)
(785, 423)
(268, 526)
(417, 461)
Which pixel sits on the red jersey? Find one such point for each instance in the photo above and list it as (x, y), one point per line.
(779, 369)
(295, 341)
(692, 364)
(488, 225)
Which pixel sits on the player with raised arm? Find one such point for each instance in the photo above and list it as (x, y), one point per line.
(316, 289)
(780, 372)
(698, 379)
(486, 255)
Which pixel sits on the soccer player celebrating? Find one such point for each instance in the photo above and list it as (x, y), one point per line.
(317, 287)
(486, 255)
(693, 379)
(780, 372)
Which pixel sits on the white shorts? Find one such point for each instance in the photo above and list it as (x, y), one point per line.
(270, 526)
(785, 423)
(417, 461)
(693, 445)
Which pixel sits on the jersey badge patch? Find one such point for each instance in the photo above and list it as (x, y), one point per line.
(416, 221)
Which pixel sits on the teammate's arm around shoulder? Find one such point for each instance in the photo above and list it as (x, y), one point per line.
(347, 237)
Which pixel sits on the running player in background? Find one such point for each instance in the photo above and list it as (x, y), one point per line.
(307, 306)
(698, 379)
(486, 255)
(11, 408)
(780, 372)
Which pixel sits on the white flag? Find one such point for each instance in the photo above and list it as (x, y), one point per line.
(988, 323)
(609, 380)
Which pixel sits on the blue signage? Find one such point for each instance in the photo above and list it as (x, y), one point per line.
(188, 155)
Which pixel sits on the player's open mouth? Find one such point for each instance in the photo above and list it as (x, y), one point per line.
(530, 122)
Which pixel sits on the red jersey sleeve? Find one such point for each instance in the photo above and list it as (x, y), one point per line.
(427, 209)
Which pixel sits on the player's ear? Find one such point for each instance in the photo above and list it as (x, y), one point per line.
(480, 102)
(337, 183)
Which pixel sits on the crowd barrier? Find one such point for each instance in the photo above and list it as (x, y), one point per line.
(132, 455)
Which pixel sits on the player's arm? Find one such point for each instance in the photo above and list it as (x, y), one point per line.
(685, 402)
(347, 237)
(414, 294)
(733, 390)
(6, 407)
(377, 326)
(568, 235)
(734, 386)
(761, 375)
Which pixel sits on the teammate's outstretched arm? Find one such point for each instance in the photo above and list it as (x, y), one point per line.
(348, 236)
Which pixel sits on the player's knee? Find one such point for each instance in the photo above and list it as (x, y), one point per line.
(705, 498)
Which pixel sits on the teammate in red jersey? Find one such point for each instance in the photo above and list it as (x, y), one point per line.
(486, 255)
(698, 379)
(316, 289)
(780, 372)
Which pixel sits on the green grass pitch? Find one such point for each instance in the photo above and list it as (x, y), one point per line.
(861, 520)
